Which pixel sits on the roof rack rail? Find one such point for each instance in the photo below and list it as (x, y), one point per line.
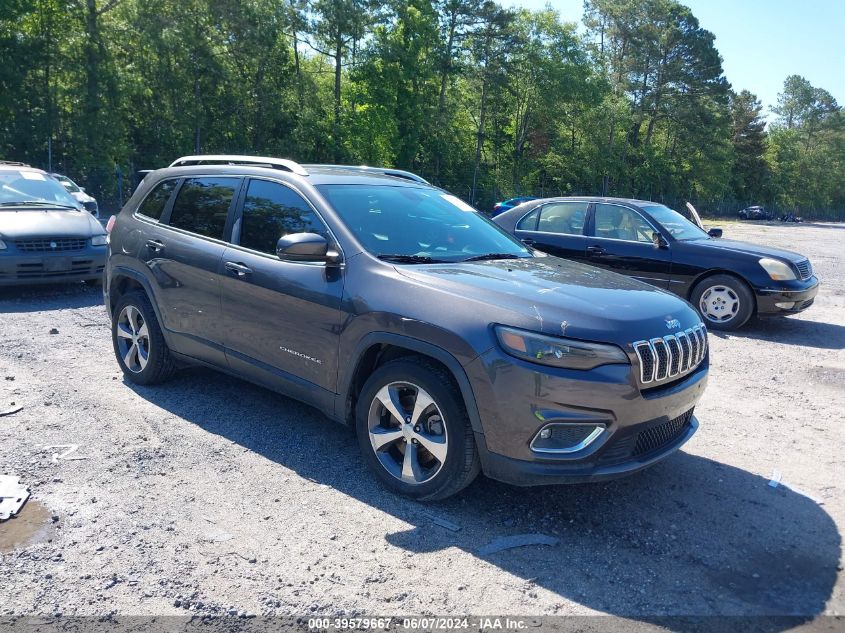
(13, 163)
(387, 171)
(231, 159)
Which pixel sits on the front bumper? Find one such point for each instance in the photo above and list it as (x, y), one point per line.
(17, 269)
(800, 294)
(517, 399)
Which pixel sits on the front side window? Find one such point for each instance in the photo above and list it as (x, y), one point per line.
(529, 222)
(418, 222)
(202, 205)
(153, 205)
(272, 211)
(621, 223)
(678, 226)
(563, 217)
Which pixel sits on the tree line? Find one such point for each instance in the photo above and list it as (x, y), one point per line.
(485, 101)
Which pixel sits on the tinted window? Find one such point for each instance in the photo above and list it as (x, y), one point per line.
(529, 222)
(153, 205)
(418, 221)
(272, 211)
(202, 205)
(563, 217)
(621, 223)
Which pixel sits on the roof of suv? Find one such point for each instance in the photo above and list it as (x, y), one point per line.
(315, 174)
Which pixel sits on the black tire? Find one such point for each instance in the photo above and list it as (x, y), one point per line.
(159, 363)
(736, 290)
(461, 464)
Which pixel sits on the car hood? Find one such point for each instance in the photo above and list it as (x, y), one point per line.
(751, 249)
(558, 297)
(47, 223)
(83, 197)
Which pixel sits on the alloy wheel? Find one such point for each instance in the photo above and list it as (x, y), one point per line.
(719, 304)
(407, 432)
(133, 339)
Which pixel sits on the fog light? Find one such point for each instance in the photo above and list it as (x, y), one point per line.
(560, 437)
(785, 305)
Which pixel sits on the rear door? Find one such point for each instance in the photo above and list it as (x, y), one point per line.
(620, 239)
(281, 319)
(184, 254)
(556, 228)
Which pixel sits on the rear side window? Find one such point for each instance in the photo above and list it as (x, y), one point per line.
(153, 205)
(272, 211)
(202, 205)
(563, 217)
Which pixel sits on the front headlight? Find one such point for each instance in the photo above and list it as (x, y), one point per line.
(778, 270)
(2, 245)
(557, 352)
(99, 240)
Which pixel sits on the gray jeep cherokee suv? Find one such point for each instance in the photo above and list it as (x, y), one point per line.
(393, 306)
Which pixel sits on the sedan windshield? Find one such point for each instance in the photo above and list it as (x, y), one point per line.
(677, 225)
(413, 225)
(20, 187)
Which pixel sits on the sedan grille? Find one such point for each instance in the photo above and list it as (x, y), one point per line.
(670, 356)
(51, 244)
(805, 269)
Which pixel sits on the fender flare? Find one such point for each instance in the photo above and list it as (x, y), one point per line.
(387, 338)
(123, 271)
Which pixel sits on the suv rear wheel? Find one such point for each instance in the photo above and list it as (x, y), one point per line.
(139, 345)
(414, 431)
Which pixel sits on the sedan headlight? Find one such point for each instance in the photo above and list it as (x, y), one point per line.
(777, 270)
(99, 240)
(557, 352)
(2, 245)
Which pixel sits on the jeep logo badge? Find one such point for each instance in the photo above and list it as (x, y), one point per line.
(672, 323)
(53, 245)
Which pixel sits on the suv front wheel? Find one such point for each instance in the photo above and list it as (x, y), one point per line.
(414, 431)
(139, 345)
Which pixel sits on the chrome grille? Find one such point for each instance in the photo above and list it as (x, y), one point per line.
(51, 244)
(805, 269)
(671, 355)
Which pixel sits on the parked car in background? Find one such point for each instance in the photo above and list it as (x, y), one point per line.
(755, 213)
(728, 282)
(394, 307)
(501, 207)
(79, 194)
(45, 235)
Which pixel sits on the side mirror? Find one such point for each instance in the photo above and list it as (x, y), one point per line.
(658, 240)
(306, 247)
(715, 232)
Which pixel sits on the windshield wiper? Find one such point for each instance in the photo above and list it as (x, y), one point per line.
(411, 259)
(480, 258)
(28, 203)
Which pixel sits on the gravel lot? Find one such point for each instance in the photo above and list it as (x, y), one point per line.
(208, 495)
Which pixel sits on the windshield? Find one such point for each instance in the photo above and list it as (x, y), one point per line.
(32, 187)
(418, 224)
(678, 226)
(68, 184)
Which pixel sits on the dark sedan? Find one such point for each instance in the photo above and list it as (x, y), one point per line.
(727, 281)
(45, 234)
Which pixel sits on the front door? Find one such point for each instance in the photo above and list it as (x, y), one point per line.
(622, 240)
(281, 319)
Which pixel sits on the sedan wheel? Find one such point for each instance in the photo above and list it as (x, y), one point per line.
(719, 304)
(725, 302)
(407, 432)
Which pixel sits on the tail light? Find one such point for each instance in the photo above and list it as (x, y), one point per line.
(110, 223)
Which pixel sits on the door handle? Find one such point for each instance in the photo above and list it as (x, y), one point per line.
(155, 245)
(595, 250)
(239, 269)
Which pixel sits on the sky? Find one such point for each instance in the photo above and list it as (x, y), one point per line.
(762, 41)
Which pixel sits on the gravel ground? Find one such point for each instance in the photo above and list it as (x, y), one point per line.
(208, 495)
